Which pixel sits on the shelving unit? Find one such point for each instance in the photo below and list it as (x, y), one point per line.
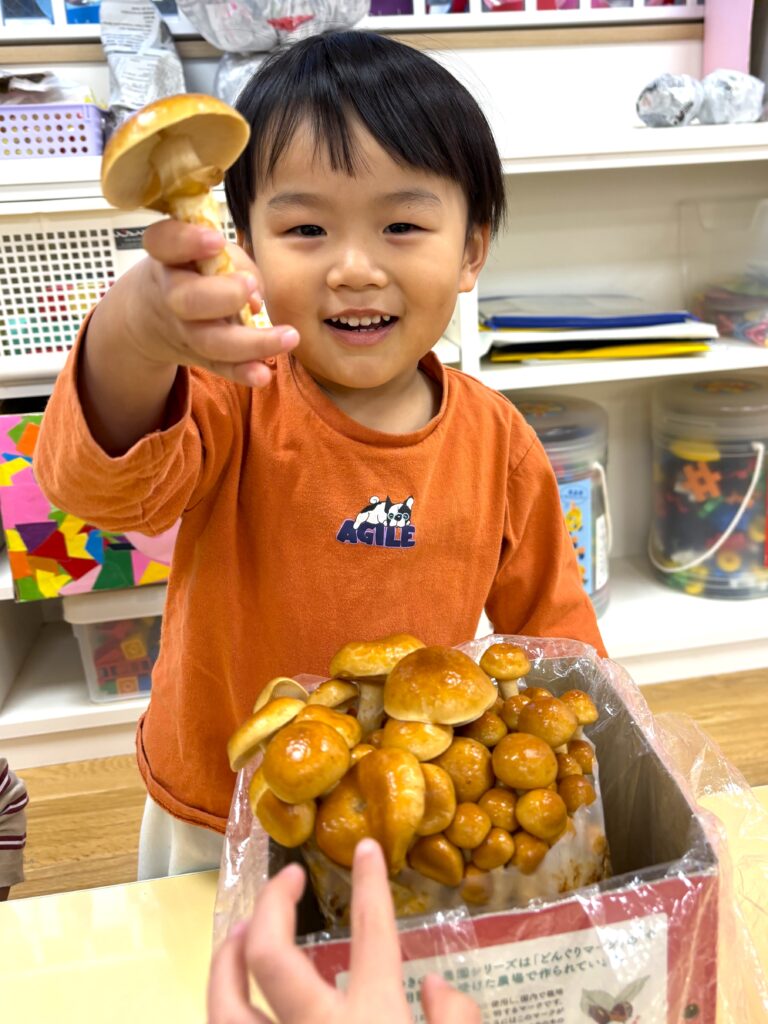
(592, 200)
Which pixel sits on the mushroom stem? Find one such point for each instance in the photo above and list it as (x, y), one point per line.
(370, 709)
(185, 184)
(509, 688)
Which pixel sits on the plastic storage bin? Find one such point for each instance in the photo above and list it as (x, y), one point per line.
(574, 433)
(709, 438)
(119, 637)
(725, 265)
(52, 129)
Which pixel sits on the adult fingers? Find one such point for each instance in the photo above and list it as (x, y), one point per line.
(375, 963)
(228, 1001)
(286, 978)
(192, 296)
(444, 1005)
(176, 243)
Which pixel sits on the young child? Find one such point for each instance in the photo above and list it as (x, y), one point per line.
(334, 481)
(13, 829)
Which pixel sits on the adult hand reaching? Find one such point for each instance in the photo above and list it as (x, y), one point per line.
(265, 947)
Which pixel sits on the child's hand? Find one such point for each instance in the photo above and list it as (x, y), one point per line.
(180, 317)
(291, 985)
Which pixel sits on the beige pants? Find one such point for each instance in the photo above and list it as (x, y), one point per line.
(168, 846)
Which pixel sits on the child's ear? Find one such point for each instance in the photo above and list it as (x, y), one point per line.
(475, 255)
(243, 242)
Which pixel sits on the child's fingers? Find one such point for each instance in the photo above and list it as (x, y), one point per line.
(192, 296)
(222, 346)
(228, 1001)
(285, 977)
(375, 964)
(444, 1005)
(175, 243)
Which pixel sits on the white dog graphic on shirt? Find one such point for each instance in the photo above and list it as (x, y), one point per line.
(388, 512)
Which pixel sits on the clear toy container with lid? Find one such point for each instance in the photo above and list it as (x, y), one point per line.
(574, 433)
(709, 438)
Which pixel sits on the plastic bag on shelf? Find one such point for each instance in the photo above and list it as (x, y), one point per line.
(642, 944)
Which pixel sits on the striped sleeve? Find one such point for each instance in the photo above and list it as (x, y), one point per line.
(13, 826)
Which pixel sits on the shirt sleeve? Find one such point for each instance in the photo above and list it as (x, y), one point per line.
(537, 590)
(13, 826)
(163, 474)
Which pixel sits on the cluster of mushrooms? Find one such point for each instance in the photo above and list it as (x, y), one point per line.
(453, 769)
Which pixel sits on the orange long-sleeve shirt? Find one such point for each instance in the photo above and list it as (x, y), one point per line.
(283, 555)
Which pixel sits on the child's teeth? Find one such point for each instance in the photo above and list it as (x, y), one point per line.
(353, 321)
(386, 318)
(375, 319)
(365, 321)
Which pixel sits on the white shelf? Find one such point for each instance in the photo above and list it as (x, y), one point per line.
(6, 580)
(650, 628)
(724, 356)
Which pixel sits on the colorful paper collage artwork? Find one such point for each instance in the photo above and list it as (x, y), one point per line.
(53, 553)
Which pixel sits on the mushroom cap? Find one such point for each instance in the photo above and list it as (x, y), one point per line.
(360, 751)
(280, 686)
(536, 692)
(487, 729)
(582, 705)
(499, 805)
(372, 659)
(584, 754)
(303, 760)
(437, 858)
(346, 726)
(470, 825)
(288, 824)
(334, 693)
(423, 740)
(439, 800)
(218, 133)
(574, 791)
(477, 885)
(550, 719)
(530, 851)
(495, 850)
(469, 765)
(244, 742)
(382, 797)
(567, 765)
(522, 761)
(511, 708)
(439, 685)
(505, 661)
(542, 813)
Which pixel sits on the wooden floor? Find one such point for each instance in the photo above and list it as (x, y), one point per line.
(83, 818)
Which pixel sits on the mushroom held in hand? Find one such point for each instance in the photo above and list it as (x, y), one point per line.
(439, 685)
(168, 156)
(506, 663)
(368, 662)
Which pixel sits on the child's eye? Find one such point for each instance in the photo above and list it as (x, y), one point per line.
(307, 231)
(401, 228)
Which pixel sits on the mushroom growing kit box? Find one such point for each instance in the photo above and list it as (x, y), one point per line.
(639, 946)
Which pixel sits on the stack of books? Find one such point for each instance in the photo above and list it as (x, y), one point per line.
(529, 328)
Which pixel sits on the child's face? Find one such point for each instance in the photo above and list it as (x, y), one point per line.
(390, 242)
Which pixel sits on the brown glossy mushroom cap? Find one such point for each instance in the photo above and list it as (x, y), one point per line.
(304, 760)
(583, 753)
(246, 741)
(345, 725)
(575, 790)
(372, 659)
(536, 692)
(530, 851)
(505, 661)
(522, 761)
(582, 705)
(511, 708)
(280, 686)
(358, 752)
(549, 719)
(334, 693)
(341, 821)
(470, 825)
(499, 805)
(495, 850)
(438, 685)
(542, 813)
(423, 740)
(567, 765)
(469, 765)
(439, 801)
(289, 825)
(487, 729)
(217, 133)
(477, 885)
(437, 858)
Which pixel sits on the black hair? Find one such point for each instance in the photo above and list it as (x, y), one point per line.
(416, 110)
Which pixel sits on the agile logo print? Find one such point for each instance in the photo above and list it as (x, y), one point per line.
(381, 524)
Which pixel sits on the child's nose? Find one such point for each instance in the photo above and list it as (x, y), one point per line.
(355, 268)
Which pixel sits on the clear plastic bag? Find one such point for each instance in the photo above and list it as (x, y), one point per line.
(641, 945)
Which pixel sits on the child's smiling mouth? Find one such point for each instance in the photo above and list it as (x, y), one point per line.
(363, 327)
